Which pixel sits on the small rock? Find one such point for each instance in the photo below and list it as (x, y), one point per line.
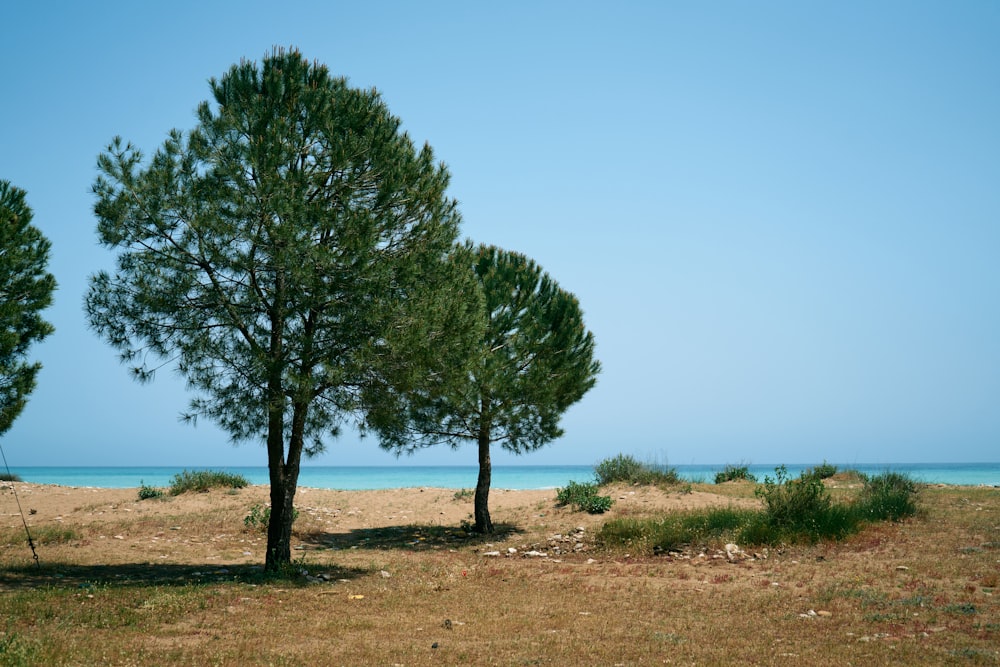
(902, 568)
(511, 550)
(534, 554)
(491, 553)
(824, 614)
(384, 574)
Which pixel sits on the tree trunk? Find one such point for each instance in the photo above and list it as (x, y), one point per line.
(284, 482)
(484, 525)
(279, 527)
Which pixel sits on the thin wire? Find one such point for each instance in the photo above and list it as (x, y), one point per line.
(31, 542)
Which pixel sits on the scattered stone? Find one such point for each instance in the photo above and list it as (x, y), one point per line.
(491, 553)
(511, 550)
(734, 553)
(902, 568)
(384, 574)
(535, 554)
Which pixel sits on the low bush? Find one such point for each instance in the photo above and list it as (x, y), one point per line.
(890, 496)
(9, 477)
(794, 510)
(584, 497)
(822, 471)
(147, 492)
(260, 515)
(626, 469)
(734, 473)
(204, 480)
(795, 506)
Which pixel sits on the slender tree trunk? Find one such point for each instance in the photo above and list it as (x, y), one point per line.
(284, 481)
(283, 488)
(484, 524)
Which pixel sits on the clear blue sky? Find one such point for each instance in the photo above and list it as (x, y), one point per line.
(782, 219)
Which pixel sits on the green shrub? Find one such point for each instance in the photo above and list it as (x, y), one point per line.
(260, 516)
(584, 497)
(147, 492)
(573, 492)
(890, 496)
(794, 510)
(822, 471)
(621, 468)
(626, 469)
(733, 473)
(801, 508)
(464, 494)
(595, 504)
(9, 477)
(203, 480)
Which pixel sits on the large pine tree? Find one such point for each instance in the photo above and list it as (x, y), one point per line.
(291, 255)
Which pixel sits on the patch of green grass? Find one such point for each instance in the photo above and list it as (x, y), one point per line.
(733, 473)
(16, 650)
(701, 528)
(464, 494)
(626, 469)
(204, 480)
(53, 535)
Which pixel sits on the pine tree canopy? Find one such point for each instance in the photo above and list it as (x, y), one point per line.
(26, 289)
(535, 360)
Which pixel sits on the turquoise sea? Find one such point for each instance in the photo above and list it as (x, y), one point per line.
(462, 477)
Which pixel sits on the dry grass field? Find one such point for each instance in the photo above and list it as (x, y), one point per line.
(390, 578)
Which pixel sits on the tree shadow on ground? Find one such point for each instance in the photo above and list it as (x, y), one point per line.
(124, 575)
(412, 537)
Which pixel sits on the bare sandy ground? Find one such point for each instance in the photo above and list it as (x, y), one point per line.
(113, 526)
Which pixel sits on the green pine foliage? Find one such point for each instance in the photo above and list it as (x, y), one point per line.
(26, 289)
(534, 359)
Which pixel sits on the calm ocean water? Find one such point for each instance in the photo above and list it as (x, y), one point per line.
(462, 477)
